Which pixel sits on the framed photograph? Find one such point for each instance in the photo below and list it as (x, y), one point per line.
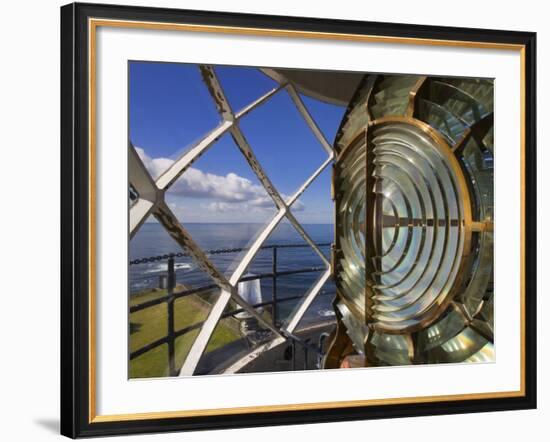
(279, 220)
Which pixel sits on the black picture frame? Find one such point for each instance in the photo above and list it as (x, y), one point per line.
(75, 219)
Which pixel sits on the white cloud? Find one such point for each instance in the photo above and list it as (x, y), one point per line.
(223, 207)
(230, 192)
(155, 166)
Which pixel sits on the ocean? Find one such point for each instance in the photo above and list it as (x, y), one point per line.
(152, 240)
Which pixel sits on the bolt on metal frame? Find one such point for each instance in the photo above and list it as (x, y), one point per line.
(151, 201)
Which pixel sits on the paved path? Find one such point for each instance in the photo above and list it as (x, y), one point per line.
(278, 358)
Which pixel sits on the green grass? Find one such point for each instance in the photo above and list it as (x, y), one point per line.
(151, 324)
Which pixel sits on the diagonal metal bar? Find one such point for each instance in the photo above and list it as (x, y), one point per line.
(246, 150)
(223, 106)
(306, 184)
(241, 362)
(142, 181)
(272, 191)
(306, 237)
(188, 158)
(215, 88)
(295, 96)
(253, 250)
(180, 235)
(138, 214)
(201, 341)
(292, 322)
(169, 221)
(272, 74)
(139, 176)
(309, 119)
(171, 224)
(246, 110)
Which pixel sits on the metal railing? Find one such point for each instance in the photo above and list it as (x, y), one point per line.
(172, 296)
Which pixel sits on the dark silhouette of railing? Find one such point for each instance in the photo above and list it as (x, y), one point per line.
(172, 296)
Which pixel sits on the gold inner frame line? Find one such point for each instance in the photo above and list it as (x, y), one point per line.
(93, 24)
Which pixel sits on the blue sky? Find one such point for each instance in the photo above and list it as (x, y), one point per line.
(170, 109)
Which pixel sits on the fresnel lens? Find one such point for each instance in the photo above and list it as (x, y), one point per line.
(413, 189)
